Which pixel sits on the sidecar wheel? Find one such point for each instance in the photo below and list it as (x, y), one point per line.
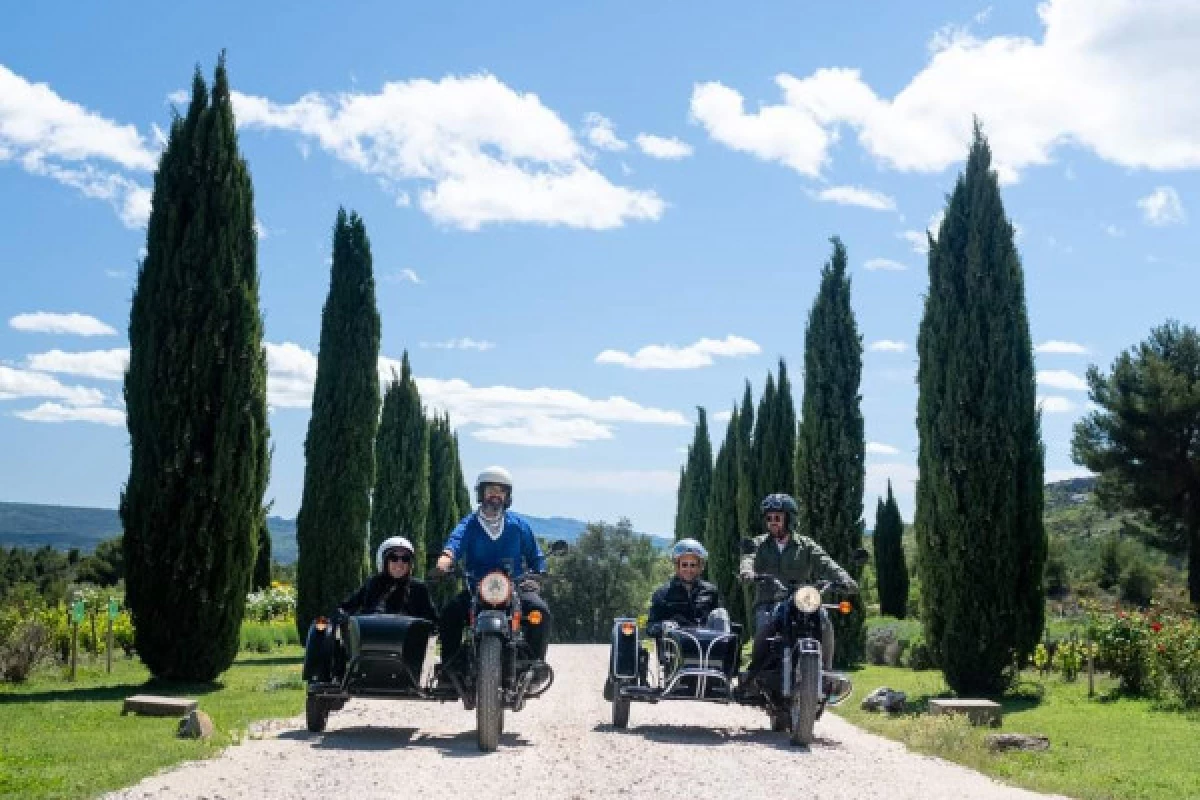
(804, 699)
(620, 710)
(489, 711)
(316, 713)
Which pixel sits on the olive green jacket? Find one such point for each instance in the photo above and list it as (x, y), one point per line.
(802, 561)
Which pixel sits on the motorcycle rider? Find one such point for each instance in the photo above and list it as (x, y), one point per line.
(488, 539)
(392, 589)
(784, 553)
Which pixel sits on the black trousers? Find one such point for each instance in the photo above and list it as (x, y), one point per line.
(453, 619)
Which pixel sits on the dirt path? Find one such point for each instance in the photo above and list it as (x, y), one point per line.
(563, 746)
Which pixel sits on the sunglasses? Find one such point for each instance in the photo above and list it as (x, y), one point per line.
(689, 565)
(402, 557)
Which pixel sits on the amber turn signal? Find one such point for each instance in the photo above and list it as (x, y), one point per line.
(845, 607)
(535, 617)
(516, 621)
(627, 628)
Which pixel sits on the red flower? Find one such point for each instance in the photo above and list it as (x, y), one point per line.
(1156, 626)
(1122, 615)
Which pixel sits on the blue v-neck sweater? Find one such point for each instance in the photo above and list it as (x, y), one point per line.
(516, 548)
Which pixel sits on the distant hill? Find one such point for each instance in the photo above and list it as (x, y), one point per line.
(31, 526)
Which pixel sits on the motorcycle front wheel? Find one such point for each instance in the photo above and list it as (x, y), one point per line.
(804, 698)
(489, 708)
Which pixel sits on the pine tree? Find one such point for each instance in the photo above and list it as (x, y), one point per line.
(400, 505)
(831, 487)
(339, 450)
(699, 480)
(262, 562)
(891, 571)
(444, 513)
(982, 545)
(196, 400)
(723, 528)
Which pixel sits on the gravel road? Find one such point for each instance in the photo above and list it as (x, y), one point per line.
(564, 746)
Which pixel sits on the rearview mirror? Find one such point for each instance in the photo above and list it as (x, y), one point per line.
(748, 547)
(861, 556)
(559, 547)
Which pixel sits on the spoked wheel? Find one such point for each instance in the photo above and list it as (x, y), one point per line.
(804, 698)
(489, 708)
(316, 713)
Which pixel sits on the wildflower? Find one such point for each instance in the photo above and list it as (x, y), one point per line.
(1156, 626)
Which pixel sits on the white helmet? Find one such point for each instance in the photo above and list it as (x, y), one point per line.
(391, 543)
(496, 475)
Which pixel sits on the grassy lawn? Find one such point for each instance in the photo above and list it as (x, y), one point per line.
(61, 739)
(1101, 748)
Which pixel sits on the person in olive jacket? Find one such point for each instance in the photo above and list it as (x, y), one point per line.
(789, 556)
(392, 589)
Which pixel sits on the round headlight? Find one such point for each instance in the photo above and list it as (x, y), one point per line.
(495, 589)
(807, 599)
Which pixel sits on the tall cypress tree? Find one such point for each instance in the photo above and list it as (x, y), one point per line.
(891, 571)
(262, 562)
(681, 497)
(699, 480)
(339, 450)
(747, 501)
(444, 513)
(723, 529)
(400, 505)
(982, 545)
(196, 400)
(775, 437)
(761, 451)
(831, 487)
(463, 496)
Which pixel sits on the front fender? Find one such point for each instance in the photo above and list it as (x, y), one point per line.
(490, 622)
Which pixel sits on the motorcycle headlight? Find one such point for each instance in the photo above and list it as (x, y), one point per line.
(495, 589)
(807, 599)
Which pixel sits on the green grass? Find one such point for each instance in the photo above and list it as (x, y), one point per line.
(1101, 748)
(61, 739)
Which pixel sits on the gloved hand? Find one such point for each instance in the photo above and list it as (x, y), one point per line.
(746, 576)
(669, 625)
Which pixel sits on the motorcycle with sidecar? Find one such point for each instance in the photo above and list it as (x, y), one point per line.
(392, 656)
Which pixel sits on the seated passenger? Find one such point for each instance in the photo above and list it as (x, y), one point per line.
(392, 589)
(686, 600)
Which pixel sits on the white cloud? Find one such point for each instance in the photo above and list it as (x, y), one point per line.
(670, 149)
(49, 322)
(1061, 379)
(261, 229)
(722, 416)
(600, 133)
(404, 276)
(856, 196)
(464, 343)
(1162, 207)
(1119, 78)
(1055, 475)
(482, 152)
(18, 384)
(179, 97)
(885, 264)
(107, 365)
(881, 449)
(1054, 346)
(45, 133)
(887, 346)
(1053, 404)
(630, 481)
(919, 240)
(1114, 231)
(541, 417)
(54, 412)
(693, 356)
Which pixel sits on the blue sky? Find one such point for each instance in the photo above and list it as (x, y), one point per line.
(550, 190)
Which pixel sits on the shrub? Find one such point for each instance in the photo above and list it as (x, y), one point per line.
(1175, 659)
(276, 602)
(1123, 647)
(920, 657)
(25, 641)
(879, 641)
(265, 637)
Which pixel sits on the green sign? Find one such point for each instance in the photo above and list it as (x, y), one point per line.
(112, 608)
(77, 612)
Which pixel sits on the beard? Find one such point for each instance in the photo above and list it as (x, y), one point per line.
(492, 506)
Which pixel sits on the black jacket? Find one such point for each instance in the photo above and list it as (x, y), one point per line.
(382, 594)
(675, 603)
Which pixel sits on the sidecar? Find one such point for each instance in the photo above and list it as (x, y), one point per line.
(692, 663)
(372, 655)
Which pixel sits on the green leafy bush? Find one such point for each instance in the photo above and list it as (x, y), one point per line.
(1123, 646)
(265, 637)
(920, 657)
(276, 602)
(1175, 664)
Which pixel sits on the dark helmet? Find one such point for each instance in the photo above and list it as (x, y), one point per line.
(780, 502)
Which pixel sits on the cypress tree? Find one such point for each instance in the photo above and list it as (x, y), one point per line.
(982, 545)
(747, 502)
(831, 486)
(681, 497)
(891, 571)
(339, 471)
(463, 496)
(196, 400)
(723, 529)
(400, 505)
(444, 513)
(760, 449)
(775, 438)
(262, 562)
(699, 480)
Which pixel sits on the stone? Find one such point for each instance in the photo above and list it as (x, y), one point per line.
(154, 706)
(999, 742)
(196, 725)
(979, 712)
(885, 699)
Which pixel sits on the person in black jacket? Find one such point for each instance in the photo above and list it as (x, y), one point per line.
(686, 600)
(392, 589)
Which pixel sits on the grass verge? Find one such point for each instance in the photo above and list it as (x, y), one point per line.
(61, 739)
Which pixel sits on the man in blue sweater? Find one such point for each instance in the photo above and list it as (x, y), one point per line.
(488, 539)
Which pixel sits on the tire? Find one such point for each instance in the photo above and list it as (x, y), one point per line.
(780, 720)
(620, 709)
(489, 710)
(804, 698)
(316, 713)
